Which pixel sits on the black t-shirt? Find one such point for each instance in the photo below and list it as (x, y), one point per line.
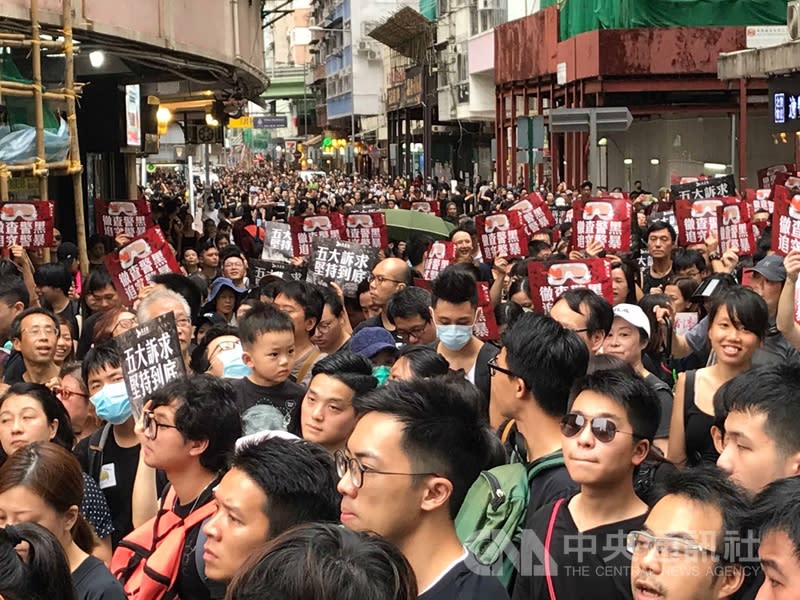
(87, 336)
(587, 564)
(376, 321)
(255, 402)
(190, 583)
(93, 581)
(649, 282)
(70, 315)
(14, 368)
(461, 583)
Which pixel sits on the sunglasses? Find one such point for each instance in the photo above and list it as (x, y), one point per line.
(603, 428)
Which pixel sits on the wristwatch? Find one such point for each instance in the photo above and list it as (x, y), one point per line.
(714, 256)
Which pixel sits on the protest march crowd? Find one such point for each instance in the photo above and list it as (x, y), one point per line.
(322, 386)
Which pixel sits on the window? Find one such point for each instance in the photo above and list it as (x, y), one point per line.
(462, 64)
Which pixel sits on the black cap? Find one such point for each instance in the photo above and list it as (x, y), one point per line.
(67, 251)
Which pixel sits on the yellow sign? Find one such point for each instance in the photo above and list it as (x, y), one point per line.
(241, 123)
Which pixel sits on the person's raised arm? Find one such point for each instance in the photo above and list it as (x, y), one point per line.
(785, 319)
(676, 447)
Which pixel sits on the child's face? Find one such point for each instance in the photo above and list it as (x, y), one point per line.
(271, 357)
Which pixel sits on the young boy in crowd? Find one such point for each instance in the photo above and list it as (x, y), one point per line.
(607, 433)
(267, 398)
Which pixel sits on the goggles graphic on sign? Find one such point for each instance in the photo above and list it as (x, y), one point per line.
(794, 207)
(792, 182)
(316, 224)
(731, 215)
(356, 221)
(127, 209)
(763, 194)
(438, 250)
(603, 211)
(522, 205)
(421, 206)
(496, 222)
(577, 272)
(26, 212)
(132, 252)
(705, 208)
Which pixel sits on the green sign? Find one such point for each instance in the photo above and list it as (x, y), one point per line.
(151, 168)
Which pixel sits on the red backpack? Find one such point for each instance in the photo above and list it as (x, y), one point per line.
(147, 560)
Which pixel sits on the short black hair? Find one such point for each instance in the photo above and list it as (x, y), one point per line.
(745, 308)
(199, 362)
(424, 361)
(547, 357)
(229, 251)
(332, 300)
(16, 324)
(13, 290)
(772, 391)
(207, 245)
(631, 392)
(710, 485)
(536, 247)
(98, 279)
(685, 258)
(660, 226)
(99, 357)
(442, 431)
(207, 411)
(408, 303)
(586, 183)
(776, 509)
(261, 319)
(180, 284)
(600, 315)
(51, 407)
(353, 370)
(297, 477)
(455, 286)
(309, 297)
(507, 313)
(417, 246)
(54, 275)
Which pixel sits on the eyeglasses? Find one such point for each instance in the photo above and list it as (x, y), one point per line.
(126, 324)
(223, 346)
(183, 322)
(380, 279)
(324, 326)
(641, 542)
(603, 429)
(493, 366)
(151, 426)
(65, 394)
(414, 332)
(38, 330)
(346, 464)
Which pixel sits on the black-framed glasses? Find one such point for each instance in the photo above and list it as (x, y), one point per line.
(641, 542)
(381, 279)
(126, 324)
(151, 426)
(347, 464)
(415, 332)
(493, 366)
(603, 428)
(224, 347)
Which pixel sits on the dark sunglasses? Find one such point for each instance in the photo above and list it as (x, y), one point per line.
(603, 428)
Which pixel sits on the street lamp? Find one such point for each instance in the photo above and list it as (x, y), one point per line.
(352, 91)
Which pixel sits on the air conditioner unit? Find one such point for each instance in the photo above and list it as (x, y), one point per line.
(372, 55)
(793, 19)
(363, 46)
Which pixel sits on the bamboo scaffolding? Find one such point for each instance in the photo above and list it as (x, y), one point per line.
(39, 167)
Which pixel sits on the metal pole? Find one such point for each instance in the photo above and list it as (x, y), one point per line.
(594, 163)
(305, 102)
(207, 161)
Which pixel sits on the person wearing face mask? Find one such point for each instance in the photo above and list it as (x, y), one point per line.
(454, 303)
(376, 344)
(220, 354)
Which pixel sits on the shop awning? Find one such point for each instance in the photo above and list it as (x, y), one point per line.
(313, 141)
(407, 32)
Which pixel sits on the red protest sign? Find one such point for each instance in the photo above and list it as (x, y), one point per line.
(501, 234)
(766, 177)
(368, 229)
(485, 327)
(147, 255)
(788, 180)
(736, 228)
(305, 229)
(131, 217)
(760, 200)
(785, 221)
(440, 256)
(606, 220)
(549, 280)
(27, 224)
(535, 213)
(697, 219)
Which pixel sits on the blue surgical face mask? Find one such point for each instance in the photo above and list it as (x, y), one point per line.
(233, 366)
(454, 337)
(381, 373)
(111, 403)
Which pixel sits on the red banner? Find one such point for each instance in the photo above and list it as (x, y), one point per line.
(766, 177)
(736, 228)
(485, 326)
(131, 217)
(549, 280)
(501, 234)
(698, 219)
(27, 224)
(147, 255)
(760, 200)
(788, 180)
(785, 221)
(440, 256)
(368, 229)
(305, 229)
(535, 213)
(607, 221)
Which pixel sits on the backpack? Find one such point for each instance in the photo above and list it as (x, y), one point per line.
(148, 559)
(492, 516)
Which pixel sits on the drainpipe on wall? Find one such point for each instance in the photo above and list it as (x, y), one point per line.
(235, 16)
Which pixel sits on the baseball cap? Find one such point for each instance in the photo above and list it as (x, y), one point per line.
(771, 268)
(67, 251)
(633, 315)
(371, 340)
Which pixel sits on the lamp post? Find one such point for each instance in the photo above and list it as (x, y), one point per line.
(352, 91)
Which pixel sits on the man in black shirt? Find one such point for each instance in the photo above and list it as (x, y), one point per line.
(661, 238)
(14, 298)
(416, 449)
(53, 281)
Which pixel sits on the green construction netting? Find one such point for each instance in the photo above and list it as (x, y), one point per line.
(21, 110)
(427, 8)
(578, 16)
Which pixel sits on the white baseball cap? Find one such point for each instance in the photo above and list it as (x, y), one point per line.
(633, 315)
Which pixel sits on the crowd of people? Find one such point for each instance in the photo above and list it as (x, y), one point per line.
(322, 446)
